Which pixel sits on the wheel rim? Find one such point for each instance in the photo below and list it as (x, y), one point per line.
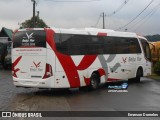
(94, 83)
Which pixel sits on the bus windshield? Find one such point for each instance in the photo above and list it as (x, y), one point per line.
(146, 49)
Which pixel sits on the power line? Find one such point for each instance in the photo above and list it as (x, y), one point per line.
(97, 21)
(136, 16)
(111, 14)
(149, 16)
(103, 16)
(73, 0)
(118, 9)
(146, 16)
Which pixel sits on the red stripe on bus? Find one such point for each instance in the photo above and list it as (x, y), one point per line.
(87, 81)
(101, 72)
(102, 34)
(17, 61)
(68, 64)
(70, 69)
(86, 62)
(50, 38)
(14, 64)
(112, 79)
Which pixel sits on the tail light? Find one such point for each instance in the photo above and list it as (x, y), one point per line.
(48, 71)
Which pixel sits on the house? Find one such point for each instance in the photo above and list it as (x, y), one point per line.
(5, 39)
(5, 35)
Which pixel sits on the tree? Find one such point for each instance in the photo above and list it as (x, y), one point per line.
(39, 23)
(153, 38)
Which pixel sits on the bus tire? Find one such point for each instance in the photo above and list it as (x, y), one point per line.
(94, 81)
(139, 74)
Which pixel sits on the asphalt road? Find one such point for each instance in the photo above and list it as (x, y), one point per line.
(144, 96)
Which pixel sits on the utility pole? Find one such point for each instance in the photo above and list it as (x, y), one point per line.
(34, 7)
(103, 15)
(103, 21)
(37, 14)
(37, 18)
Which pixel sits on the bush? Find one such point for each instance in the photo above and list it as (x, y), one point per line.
(157, 68)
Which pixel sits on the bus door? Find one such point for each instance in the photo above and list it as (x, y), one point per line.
(29, 55)
(147, 56)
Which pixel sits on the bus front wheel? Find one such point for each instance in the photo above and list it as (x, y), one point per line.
(139, 74)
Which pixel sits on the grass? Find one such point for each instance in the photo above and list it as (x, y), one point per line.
(154, 76)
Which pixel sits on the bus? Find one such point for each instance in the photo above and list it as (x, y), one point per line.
(74, 58)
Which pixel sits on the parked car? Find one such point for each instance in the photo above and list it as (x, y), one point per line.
(1, 45)
(7, 60)
(3, 52)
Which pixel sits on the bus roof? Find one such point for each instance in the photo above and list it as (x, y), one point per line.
(94, 31)
(90, 31)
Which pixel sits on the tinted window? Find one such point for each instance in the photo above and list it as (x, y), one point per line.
(30, 38)
(62, 42)
(121, 45)
(87, 44)
(79, 44)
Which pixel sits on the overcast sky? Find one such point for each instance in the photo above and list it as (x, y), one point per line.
(85, 14)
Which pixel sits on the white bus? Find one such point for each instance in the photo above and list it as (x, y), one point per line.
(72, 58)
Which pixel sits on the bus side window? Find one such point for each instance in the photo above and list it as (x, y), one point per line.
(62, 41)
(57, 38)
(110, 45)
(77, 45)
(123, 46)
(95, 45)
(134, 46)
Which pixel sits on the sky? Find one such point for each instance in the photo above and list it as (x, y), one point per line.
(140, 16)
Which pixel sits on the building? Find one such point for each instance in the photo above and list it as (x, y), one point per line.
(5, 40)
(5, 34)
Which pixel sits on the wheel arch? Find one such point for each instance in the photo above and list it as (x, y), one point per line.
(140, 68)
(96, 72)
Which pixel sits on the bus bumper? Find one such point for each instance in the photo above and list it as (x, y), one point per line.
(37, 83)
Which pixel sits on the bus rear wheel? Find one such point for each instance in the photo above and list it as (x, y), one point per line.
(94, 83)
